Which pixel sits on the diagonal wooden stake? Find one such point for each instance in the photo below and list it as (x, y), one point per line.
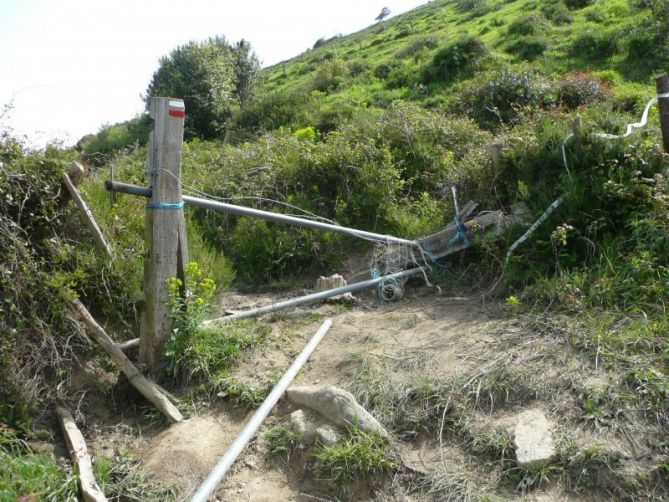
(90, 490)
(135, 377)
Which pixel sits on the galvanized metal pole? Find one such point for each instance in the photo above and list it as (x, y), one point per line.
(265, 215)
(662, 86)
(314, 297)
(216, 475)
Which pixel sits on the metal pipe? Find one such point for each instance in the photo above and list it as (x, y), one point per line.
(115, 186)
(314, 297)
(216, 475)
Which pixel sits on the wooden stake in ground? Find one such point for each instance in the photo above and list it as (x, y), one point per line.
(86, 213)
(90, 491)
(662, 85)
(165, 228)
(135, 377)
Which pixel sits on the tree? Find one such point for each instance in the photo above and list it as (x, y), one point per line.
(385, 12)
(212, 77)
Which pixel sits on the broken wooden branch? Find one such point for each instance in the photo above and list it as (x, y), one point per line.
(86, 213)
(141, 383)
(76, 445)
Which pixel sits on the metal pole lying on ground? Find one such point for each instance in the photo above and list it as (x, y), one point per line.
(265, 215)
(216, 475)
(314, 297)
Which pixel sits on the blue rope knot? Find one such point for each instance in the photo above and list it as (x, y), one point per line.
(461, 234)
(164, 205)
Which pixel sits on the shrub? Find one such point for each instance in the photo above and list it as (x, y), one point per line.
(417, 45)
(501, 97)
(529, 48)
(594, 16)
(579, 4)
(330, 76)
(531, 24)
(112, 139)
(592, 45)
(557, 13)
(470, 5)
(464, 54)
(581, 89)
(383, 70)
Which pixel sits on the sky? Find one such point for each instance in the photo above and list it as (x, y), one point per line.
(70, 66)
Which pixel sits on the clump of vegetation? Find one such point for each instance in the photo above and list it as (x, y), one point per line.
(450, 61)
(358, 456)
(506, 93)
(123, 478)
(531, 24)
(581, 89)
(529, 49)
(282, 440)
(590, 45)
(26, 474)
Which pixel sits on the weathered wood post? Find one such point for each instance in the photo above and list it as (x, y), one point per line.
(165, 228)
(662, 85)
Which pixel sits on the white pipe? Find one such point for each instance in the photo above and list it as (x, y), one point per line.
(210, 483)
(314, 297)
(116, 186)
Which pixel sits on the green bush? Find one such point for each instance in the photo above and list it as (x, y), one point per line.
(448, 62)
(557, 13)
(591, 45)
(581, 89)
(330, 75)
(417, 45)
(504, 94)
(579, 4)
(99, 148)
(531, 24)
(529, 49)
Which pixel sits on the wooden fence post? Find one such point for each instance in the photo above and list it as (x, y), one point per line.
(165, 229)
(662, 84)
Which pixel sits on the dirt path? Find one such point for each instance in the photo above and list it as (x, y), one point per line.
(500, 368)
(442, 336)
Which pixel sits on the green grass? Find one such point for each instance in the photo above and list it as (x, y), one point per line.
(24, 473)
(357, 456)
(282, 440)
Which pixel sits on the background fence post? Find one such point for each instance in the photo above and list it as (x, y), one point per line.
(662, 84)
(165, 229)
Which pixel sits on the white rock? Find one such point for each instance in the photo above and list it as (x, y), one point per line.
(302, 425)
(327, 435)
(533, 440)
(335, 405)
(334, 281)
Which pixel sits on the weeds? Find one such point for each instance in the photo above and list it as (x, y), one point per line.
(283, 440)
(359, 455)
(125, 479)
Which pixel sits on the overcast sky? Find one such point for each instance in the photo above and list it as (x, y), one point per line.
(71, 66)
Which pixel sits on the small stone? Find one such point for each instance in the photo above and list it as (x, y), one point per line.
(298, 421)
(250, 463)
(302, 425)
(327, 435)
(533, 440)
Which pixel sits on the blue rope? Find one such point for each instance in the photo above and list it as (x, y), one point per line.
(164, 205)
(461, 235)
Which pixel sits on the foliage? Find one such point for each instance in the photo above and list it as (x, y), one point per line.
(357, 456)
(213, 78)
(98, 149)
(529, 48)
(506, 93)
(581, 89)
(283, 440)
(123, 478)
(449, 61)
(194, 352)
(24, 473)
